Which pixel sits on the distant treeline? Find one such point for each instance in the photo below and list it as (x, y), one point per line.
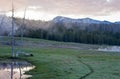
(72, 32)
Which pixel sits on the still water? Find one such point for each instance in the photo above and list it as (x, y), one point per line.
(15, 69)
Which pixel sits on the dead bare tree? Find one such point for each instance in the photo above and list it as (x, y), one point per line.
(1, 22)
(12, 40)
(22, 34)
(22, 28)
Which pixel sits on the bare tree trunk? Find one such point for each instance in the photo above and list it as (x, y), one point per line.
(22, 29)
(22, 33)
(12, 39)
(1, 23)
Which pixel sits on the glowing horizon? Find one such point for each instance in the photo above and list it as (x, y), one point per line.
(46, 10)
(37, 15)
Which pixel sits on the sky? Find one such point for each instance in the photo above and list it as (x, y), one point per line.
(48, 9)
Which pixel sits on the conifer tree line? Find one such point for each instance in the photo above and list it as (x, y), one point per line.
(89, 34)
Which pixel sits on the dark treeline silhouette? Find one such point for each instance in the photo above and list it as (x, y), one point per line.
(80, 33)
(80, 36)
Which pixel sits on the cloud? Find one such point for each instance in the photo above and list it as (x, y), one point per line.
(34, 7)
(67, 7)
(83, 7)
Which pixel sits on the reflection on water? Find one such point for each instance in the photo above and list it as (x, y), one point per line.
(110, 49)
(15, 70)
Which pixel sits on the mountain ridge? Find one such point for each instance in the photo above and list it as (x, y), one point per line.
(81, 20)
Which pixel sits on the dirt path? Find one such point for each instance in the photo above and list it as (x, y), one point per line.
(89, 67)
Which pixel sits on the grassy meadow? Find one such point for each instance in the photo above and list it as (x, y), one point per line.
(59, 60)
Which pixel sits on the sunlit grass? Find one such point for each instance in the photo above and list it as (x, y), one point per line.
(67, 63)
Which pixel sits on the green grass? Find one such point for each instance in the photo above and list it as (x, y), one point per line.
(54, 60)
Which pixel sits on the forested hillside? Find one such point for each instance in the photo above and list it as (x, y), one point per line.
(73, 30)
